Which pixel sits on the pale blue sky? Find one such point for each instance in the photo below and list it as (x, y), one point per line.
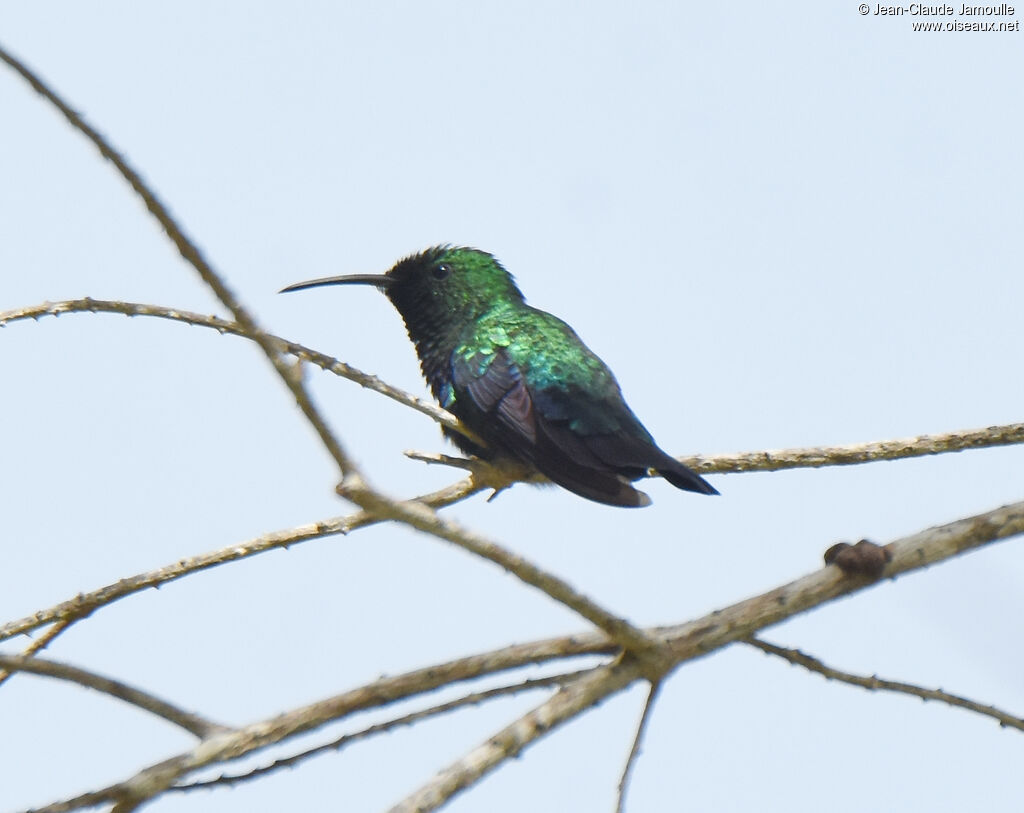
(780, 225)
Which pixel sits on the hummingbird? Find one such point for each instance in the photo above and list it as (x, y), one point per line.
(519, 377)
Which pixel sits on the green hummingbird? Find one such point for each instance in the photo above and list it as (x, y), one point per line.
(519, 377)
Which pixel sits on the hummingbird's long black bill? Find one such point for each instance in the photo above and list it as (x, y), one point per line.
(380, 280)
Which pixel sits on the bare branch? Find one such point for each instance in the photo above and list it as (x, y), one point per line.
(39, 644)
(422, 517)
(738, 462)
(438, 459)
(93, 798)
(651, 654)
(325, 362)
(503, 472)
(160, 777)
(818, 456)
(425, 519)
(698, 638)
(687, 641)
(486, 475)
(874, 683)
(472, 699)
(192, 723)
(634, 752)
(910, 553)
(565, 705)
(418, 514)
(85, 603)
(194, 257)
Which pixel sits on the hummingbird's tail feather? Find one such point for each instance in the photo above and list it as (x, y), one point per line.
(682, 477)
(634, 456)
(600, 467)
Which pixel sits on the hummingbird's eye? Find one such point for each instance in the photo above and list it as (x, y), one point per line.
(441, 271)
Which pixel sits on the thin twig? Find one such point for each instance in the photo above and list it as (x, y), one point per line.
(634, 752)
(192, 723)
(471, 699)
(39, 644)
(438, 459)
(416, 514)
(508, 743)
(325, 362)
(856, 453)
(423, 518)
(624, 783)
(280, 728)
(874, 683)
(85, 603)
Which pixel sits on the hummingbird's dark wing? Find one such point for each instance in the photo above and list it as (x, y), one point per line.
(506, 412)
(593, 446)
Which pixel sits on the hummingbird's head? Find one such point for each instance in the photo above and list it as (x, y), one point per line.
(438, 289)
(449, 282)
